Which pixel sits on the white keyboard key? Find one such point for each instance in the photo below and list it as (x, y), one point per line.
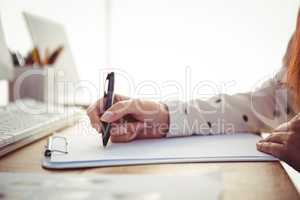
(16, 124)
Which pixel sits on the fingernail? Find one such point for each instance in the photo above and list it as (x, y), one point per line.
(106, 116)
(258, 145)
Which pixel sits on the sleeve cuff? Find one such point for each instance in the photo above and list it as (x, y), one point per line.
(177, 119)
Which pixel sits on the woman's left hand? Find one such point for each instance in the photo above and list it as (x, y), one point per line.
(284, 143)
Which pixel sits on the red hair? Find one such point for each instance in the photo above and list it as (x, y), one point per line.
(293, 63)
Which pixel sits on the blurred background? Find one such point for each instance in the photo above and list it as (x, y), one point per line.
(232, 41)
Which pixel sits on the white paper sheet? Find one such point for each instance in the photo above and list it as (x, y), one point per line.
(87, 148)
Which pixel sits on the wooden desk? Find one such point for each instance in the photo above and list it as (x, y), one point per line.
(253, 180)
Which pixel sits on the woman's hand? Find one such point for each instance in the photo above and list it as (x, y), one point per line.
(131, 118)
(284, 143)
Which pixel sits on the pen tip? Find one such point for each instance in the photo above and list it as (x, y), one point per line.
(105, 143)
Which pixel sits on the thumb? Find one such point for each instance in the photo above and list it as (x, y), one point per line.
(283, 127)
(118, 110)
(292, 125)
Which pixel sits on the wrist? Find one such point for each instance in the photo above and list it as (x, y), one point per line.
(165, 120)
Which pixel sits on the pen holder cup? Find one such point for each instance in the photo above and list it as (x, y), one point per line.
(29, 82)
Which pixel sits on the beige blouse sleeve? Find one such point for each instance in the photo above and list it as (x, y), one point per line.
(257, 111)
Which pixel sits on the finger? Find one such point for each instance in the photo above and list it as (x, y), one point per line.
(119, 110)
(125, 132)
(95, 119)
(122, 139)
(118, 98)
(98, 127)
(151, 131)
(289, 126)
(280, 137)
(292, 125)
(274, 149)
(283, 127)
(95, 111)
(295, 126)
(98, 106)
(126, 128)
(137, 130)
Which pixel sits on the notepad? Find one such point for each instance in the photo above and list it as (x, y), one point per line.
(87, 151)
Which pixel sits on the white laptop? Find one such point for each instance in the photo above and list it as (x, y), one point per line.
(48, 34)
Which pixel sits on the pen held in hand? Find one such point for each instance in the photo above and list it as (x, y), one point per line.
(109, 96)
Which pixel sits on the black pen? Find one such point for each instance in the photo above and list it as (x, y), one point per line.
(108, 97)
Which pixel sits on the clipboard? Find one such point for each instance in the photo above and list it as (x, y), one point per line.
(83, 151)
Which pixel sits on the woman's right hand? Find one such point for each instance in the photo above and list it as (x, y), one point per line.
(96, 110)
(131, 118)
